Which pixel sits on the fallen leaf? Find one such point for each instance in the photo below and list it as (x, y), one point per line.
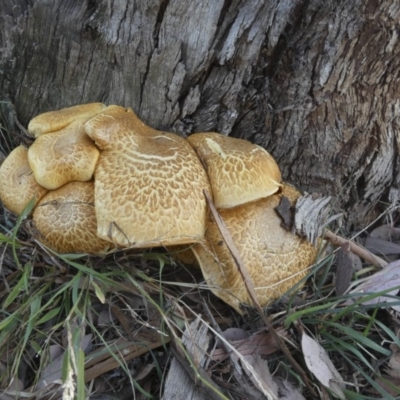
(346, 260)
(261, 343)
(105, 317)
(143, 372)
(233, 334)
(390, 384)
(285, 211)
(394, 362)
(53, 371)
(386, 232)
(287, 391)
(262, 379)
(319, 363)
(385, 279)
(381, 246)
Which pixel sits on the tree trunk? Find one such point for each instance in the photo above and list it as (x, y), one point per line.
(315, 82)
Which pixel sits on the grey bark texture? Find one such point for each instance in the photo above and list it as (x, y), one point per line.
(315, 82)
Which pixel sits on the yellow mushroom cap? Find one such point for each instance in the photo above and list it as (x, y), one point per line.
(53, 121)
(148, 184)
(64, 156)
(275, 258)
(239, 171)
(17, 182)
(66, 220)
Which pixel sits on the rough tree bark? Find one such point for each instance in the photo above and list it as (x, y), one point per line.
(315, 82)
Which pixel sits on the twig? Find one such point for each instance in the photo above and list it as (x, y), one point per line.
(226, 236)
(366, 255)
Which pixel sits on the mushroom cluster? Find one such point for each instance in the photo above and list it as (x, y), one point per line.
(102, 179)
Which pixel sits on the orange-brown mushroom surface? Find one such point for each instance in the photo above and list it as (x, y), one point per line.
(17, 182)
(65, 156)
(148, 184)
(53, 121)
(66, 220)
(275, 258)
(239, 171)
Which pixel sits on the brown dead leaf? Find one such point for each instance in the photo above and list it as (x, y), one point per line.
(105, 317)
(123, 320)
(319, 363)
(234, 334)
(381, 246)
(346, 260)
(144, 372)
(261, 343)
(386, 232)
(285, 211)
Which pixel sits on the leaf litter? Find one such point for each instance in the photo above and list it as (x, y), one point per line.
(133, 323)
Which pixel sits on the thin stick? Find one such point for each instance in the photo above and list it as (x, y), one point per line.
(366, 255)
(226, 236)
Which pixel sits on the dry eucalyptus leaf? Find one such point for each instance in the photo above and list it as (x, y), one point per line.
(386, 232)
(55, 350)
(385, 279)
(232, 334)
(16, 384)
(390, 384)
(262, 379)
(262, 343)
(319, 363)
(53, 371)
(381, 246)
(144, 372)
(345, 261)
(287, 391)
(394, 362)
(106, 317)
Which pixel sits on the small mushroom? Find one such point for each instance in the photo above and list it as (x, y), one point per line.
(66, 220)
(53, 121)
(275, 258)
(239, 171)
(17, 182)
(148, 184)
(64, 156)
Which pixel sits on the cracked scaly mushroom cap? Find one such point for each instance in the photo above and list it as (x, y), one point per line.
(239, 171)
(275, 258)
(17, 182)
(66, 220)
(63, 152)
(148, 184)
(53, 121)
